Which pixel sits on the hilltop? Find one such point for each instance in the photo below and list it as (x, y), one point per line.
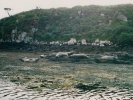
(112, 23)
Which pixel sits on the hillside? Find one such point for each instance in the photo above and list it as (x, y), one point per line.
(114, 23)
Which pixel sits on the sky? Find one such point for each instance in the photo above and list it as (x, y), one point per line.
(18, 6)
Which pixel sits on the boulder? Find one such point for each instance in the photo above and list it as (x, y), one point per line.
(79, 56)
(62, 54)
(26, 59)
(106, 57)
(42, 56)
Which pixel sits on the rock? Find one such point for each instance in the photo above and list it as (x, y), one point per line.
(42, 56)
(106, 57)
(61, 54)
(83, 42)
(72, 41)
(26, 59)
(122, 17)
(80, 56)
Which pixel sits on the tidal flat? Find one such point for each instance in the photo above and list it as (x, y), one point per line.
(46, 74)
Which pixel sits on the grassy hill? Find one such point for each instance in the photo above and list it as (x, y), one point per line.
(113, 23)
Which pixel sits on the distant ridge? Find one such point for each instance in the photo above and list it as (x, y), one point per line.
(112, 23)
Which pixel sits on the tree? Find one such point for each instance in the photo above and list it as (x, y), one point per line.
(7, 10)
(125, 39)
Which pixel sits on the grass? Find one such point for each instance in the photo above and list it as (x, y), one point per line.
(64, 75)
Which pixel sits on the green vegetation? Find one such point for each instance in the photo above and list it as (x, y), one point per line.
(90, 22)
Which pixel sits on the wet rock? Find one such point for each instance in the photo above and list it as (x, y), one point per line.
(26, 59)
(42, 56)
(79, 56)
(116, 58)
(62, 54)
(106, 57)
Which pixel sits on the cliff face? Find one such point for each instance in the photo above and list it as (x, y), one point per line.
(22, 36)
(89, 22)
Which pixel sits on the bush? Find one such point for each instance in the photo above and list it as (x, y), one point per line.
(125, 39)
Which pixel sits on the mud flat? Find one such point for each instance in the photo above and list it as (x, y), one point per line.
(10, 91)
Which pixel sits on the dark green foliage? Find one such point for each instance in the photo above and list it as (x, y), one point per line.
(126, 39)
(122, 35)
(89, 22)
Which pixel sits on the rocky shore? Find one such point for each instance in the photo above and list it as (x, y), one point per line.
(107, 57)
(10, 91)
